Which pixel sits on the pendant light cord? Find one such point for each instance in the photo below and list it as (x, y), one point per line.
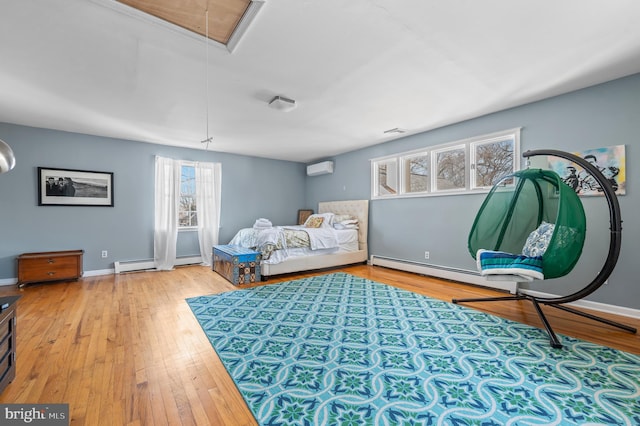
(206, 47)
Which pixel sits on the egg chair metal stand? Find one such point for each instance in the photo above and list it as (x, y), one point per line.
(608, 267)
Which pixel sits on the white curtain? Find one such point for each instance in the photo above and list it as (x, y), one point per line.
(167, 194)
(208, 188)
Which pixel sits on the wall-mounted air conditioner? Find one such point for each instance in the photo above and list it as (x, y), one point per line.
(320, 168)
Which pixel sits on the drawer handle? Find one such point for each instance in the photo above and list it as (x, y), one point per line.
(51, 261)
(51, 273)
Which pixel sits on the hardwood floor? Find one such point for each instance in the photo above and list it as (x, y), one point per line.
(126, 349)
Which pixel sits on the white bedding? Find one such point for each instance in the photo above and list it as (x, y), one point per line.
(321, 241)
(347, 242)
(319, 238)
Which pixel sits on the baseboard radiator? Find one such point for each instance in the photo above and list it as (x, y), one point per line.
(146, 265)
(445, 272)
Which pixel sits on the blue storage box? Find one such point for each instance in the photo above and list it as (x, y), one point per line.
(237, 264)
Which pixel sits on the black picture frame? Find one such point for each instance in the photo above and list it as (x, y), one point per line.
(71, 187)
(303, 215)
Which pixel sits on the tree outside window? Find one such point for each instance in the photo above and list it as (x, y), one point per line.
(451, 169)
(493, 161)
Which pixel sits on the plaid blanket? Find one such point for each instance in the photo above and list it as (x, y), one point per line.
(501, 263)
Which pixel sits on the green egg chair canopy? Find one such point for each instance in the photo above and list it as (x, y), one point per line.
(511, 212)
(517, 205)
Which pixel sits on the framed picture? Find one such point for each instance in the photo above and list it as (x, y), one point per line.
(610, 160)
(303, 215)
(67, 187)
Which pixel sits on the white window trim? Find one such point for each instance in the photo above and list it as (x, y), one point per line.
(469, 145)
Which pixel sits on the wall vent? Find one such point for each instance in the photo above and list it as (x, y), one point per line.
(147, 265)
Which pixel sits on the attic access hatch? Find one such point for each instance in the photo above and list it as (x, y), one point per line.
(228, 19)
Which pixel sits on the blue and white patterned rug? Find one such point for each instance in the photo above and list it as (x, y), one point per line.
(342, 350)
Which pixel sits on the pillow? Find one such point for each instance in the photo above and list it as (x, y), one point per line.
(327, 220)
(538, 240)
(314, 221)
(341, 226)
(342, 217)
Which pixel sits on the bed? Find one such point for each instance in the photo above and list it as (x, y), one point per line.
(323, 252)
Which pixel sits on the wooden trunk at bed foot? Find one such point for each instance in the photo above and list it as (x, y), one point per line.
(237, 264)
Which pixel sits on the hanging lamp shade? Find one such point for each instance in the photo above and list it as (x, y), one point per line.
(7, 159)
(518, 205)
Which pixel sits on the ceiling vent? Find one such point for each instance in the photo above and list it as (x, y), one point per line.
(282, 104)
(394, 130)
(324, 168)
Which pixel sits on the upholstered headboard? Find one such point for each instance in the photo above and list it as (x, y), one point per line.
(356, 208)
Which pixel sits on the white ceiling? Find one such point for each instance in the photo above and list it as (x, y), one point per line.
(356, 68)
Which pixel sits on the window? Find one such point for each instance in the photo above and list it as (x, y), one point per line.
(386, 178)
(451, 168)
(491, 161)
(416, 173)
(187, 217)
(180, 186)
(470, 165)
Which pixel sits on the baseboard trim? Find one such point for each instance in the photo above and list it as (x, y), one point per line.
(588, 304)
(149, 264)
(98, 272)
(448, 273)
(133, 266)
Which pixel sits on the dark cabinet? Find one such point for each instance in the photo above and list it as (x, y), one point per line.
(7, 340)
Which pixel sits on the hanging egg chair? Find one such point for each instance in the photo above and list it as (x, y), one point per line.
(537, 221)
(535, 213)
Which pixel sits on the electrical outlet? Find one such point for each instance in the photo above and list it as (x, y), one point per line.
(426, 255)
(105, 254)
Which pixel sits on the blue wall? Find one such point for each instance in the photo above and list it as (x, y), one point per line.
(126, 230)
(603, 115)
